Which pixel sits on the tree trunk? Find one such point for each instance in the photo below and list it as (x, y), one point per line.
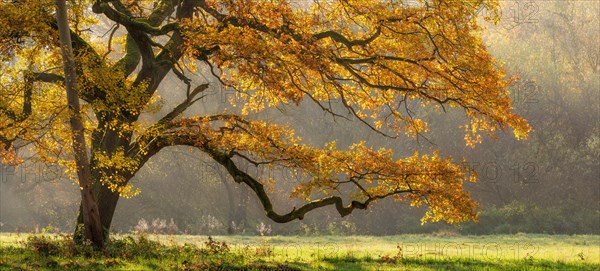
(91, 215)
(107, 203)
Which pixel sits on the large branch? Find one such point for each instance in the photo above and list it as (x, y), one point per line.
(297, 213)
(171, 52)
(127, 20)
(140, 46)
(137, 30)
(155, 144)
(132, 54)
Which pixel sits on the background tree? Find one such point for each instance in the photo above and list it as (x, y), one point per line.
(374, 61)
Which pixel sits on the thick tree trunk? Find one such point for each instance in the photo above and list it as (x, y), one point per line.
(108, 142)
(107, 204)
(89, 210)
(105, 141)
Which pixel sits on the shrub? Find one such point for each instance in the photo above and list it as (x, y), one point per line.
(130, 247)
(214, 247)
(43, 244)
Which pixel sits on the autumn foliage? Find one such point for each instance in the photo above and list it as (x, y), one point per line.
(377, 59)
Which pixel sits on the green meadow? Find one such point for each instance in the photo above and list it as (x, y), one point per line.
(399, 252)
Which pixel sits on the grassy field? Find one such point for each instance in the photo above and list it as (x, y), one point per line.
(401, 252)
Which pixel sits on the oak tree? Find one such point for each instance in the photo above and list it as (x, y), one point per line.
(375, 61)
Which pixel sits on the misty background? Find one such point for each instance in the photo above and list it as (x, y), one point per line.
(549, 183)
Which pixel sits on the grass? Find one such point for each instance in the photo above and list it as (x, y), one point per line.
(401, 252)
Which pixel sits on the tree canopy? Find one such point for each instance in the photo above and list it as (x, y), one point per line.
(377, 62)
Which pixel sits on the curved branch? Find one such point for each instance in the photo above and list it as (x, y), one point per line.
(342, 39)
(132, 56)
(128, 21)
(242, 177)
(239, 176)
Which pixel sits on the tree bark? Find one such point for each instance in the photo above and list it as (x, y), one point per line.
(107, 205)
(91, 215)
